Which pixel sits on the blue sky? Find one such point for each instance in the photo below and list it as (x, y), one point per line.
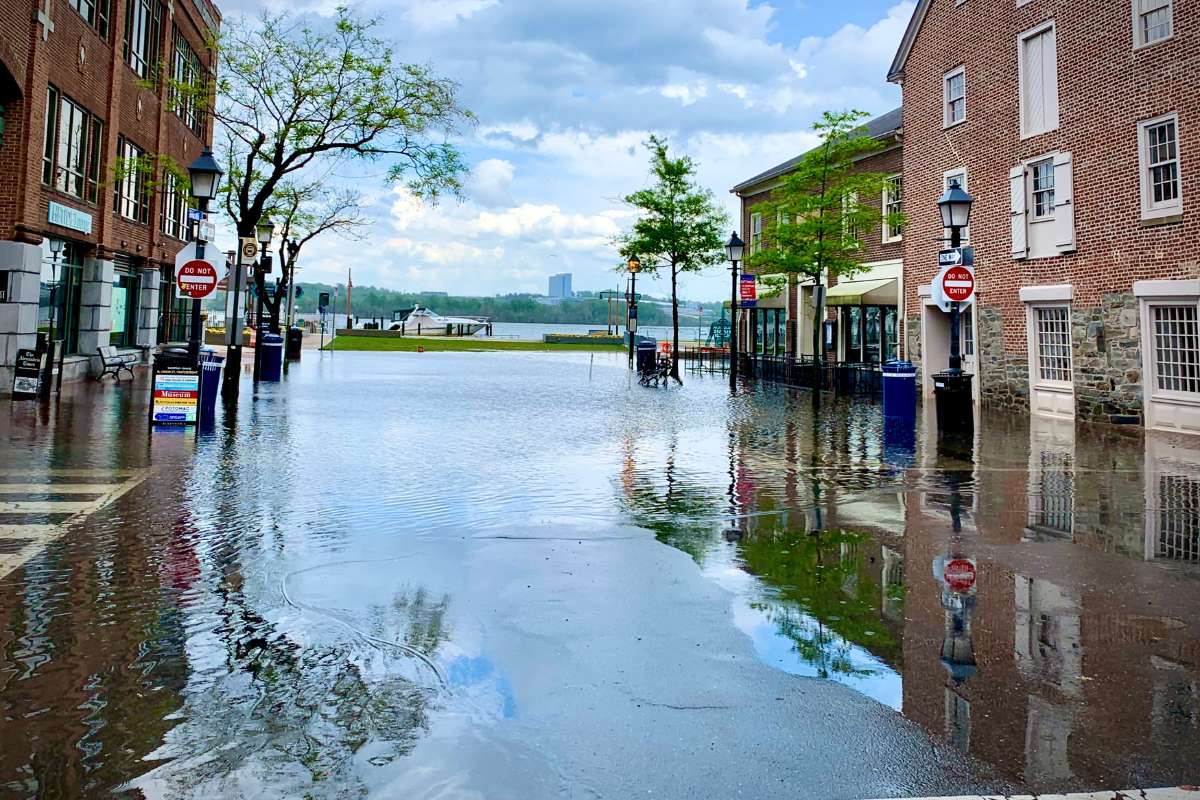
(566, 91)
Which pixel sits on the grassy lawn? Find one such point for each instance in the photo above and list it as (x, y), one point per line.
(435, 344)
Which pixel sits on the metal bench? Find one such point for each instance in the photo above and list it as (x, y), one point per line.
(112, 362)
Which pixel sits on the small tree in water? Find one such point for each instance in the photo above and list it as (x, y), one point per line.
(814, 220)
(679, 227)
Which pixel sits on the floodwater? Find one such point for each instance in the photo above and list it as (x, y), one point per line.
(511, 575)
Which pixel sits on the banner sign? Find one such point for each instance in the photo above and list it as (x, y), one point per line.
(748, 291)
(27, 374)
(176, 397)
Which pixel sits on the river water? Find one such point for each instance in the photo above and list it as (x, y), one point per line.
(522, 575)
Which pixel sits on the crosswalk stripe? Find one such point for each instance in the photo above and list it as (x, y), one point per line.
(1166, 793)
(21, 541)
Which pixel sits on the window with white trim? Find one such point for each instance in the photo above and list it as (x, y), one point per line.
(755, 232)
(1053, 330)
(1039, 81)
(966, 330)
(1158, 156)
(1152, 21)
(174, 208)
(954, 97)
(893, 197)
(1041, 174)
(1176, 334)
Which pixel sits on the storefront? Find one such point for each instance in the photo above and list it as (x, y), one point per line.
(868, 325)
(126, 290)
(59, 299)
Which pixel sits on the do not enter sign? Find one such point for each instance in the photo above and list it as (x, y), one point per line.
(958, 284)
(197, 279)
(960, 575)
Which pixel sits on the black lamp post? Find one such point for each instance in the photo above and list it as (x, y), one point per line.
(955, 208)
(733, 249)
(205, 176)
(56, 246)
(265, 231)
(634, 264)
(293, 250)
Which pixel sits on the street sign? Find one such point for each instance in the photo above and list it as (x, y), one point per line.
(206, 232)
(748, 291)
(956, 257)
(195, 214)
(197, 279)
(249, 247)
(27, 374)
(959, 574)
(958, 284)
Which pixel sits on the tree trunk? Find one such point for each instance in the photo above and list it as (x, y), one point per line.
(675, 327)
(818, 351)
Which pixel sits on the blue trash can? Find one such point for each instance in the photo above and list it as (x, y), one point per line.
(271, 366)
(210, 384)
(900, 390)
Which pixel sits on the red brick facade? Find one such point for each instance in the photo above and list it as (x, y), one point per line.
(1105, 86)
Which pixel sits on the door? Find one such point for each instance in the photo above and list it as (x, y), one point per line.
(1051, 378)
(1171, 337)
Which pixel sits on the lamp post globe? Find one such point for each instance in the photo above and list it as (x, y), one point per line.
(735, 247)
(205, 176)
(955, 208)
(265, 231)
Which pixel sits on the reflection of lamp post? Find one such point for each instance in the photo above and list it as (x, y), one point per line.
(265, 232)
(56, 246)
(734, 250)
(955, 208)
(205, 176)
(634, 265)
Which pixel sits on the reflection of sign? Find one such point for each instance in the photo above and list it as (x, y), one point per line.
(27, 374)
(68, 217)
(197, 279)
(960, 575)
(176, 396)
(249, 248)
(958, 284)
(747, 291)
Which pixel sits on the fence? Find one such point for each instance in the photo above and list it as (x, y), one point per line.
(803, 373)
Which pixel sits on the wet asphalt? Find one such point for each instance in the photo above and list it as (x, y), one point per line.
(522, 575)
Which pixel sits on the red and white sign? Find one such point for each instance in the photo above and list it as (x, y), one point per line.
(958, 284)
(748, 288)
(197, 279)
(960, 575)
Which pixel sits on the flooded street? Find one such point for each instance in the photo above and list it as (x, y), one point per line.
(514, 575)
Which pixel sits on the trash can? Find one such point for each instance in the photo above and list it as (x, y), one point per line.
(173, 357)
(645, 355)
(271, 364)
(900, 390)
(955, 408)
(210, 384)
(295, 342)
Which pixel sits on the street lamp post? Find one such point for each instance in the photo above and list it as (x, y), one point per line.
(634, 265)
(205, 176)
(293, 250)
(265, 232)
(56, 246)
(955, 208)
(733, 249)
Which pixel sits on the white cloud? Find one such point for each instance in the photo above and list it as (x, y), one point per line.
(491, 180)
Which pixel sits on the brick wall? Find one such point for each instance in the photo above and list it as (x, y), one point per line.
(1104, 87)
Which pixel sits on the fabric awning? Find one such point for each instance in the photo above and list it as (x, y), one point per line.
(864, 293)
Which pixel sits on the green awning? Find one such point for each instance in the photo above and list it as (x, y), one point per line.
(864, 293)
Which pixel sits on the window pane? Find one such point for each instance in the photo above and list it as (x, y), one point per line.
(1156, 25)
(1043, 189)
(1054, 343)
(1176, 348)
(50, 133)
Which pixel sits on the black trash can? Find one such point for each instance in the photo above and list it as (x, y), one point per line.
(173, 357)
(295, 342)
(955, 407)
(646, 356)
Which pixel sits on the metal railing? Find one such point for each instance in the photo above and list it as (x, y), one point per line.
(802, 373)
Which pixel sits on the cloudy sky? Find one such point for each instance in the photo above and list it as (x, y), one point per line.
(566, 91)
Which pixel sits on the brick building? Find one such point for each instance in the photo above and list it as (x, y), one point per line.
(90, 125)
(863, 312)
(1071, 125)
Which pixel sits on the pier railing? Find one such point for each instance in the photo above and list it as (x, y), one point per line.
(801, 373)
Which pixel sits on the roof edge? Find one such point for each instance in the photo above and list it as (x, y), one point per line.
(896, 71)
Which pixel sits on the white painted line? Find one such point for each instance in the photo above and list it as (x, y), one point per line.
(47, 506)
(75, 473)
(1169, 793)
(42, 534)
(57, 488)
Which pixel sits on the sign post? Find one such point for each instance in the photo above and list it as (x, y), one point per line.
(956, 285)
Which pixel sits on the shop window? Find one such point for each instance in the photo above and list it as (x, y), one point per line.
(61, 293)
(124, 308)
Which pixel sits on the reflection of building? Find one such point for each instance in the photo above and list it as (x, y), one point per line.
(88, 129)
(864, 308)
(560, 286)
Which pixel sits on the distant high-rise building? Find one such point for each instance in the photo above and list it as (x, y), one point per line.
(560, 285)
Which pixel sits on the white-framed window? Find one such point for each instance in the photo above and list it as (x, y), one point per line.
(954, 97)
(1041, 189)
(1038, 70)
(849, 207)
(893, 203)
(966, 330)
(1158, 158)
(174, 208)
(755, 232)
(1152, 22)
(958, 176)
(1052, 327)
(1175, 329)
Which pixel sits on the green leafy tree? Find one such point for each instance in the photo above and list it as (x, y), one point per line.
(814, 221)
(679, 227)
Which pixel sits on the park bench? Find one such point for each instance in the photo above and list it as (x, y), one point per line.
(112, 362)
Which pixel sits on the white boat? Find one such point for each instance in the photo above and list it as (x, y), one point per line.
(419, 321)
